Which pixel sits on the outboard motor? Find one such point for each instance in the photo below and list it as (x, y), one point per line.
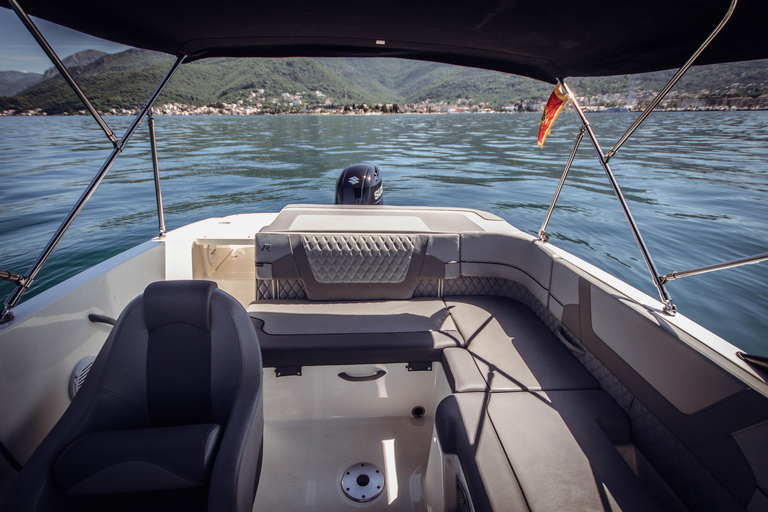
(359, 184)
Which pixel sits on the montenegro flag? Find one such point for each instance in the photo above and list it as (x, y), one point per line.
(555, 104)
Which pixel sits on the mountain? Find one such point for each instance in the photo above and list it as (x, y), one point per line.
(75, 60)
(12, 82)
(125, 80)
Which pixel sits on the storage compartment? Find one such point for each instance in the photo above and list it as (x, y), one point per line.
(229, 265)
(319, 425)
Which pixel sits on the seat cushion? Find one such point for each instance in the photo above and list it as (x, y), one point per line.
(512, 347)
(316, 333)
(560, 446)
(138, 460)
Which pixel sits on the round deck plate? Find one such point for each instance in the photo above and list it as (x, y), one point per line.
(362, 482)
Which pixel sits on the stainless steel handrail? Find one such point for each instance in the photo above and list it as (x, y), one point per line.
(15, 296)
(671, 83)
(27, 21)
(658, 281)
(542, 232)
(669, 308)
(679, 274)
(156, 169)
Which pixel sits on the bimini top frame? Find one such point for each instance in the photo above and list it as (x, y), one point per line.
(548, 59)
(659, 281)
(23, 282)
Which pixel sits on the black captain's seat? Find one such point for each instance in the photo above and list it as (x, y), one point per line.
(170, 416)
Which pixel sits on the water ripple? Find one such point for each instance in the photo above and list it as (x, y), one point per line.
(697, 184)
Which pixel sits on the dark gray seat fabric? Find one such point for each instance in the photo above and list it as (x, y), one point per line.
(542, 451)
(173, 398)
(511, 347)
(138, 460)
(303, 333)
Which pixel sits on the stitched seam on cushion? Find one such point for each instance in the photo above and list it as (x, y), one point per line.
(221, 402)
(203, 442)
(504, 449)
(239, 388)
(116, 395)
(466, 347)
(508, 266)
(131, 460)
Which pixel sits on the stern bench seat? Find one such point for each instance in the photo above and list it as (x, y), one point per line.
(303, 333)
(529, 424)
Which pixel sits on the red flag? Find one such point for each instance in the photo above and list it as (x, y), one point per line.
(555, 104)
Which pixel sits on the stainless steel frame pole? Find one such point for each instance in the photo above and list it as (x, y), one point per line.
(542, 232)
(671, 83)
(751, 260)
(156, 169)
(669, 308)
(15, 296)
(60, 66)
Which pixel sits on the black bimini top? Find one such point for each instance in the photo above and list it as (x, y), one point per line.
(543, 39)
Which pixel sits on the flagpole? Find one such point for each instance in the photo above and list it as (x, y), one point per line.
(669, 307)
(542, 232)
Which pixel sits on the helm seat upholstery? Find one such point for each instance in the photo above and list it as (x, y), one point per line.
(170, 414)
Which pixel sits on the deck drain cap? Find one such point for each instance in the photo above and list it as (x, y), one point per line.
(362, 482)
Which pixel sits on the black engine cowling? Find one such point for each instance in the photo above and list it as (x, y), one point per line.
(359, 184)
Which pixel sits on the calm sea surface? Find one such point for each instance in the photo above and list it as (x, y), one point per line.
(697, 184)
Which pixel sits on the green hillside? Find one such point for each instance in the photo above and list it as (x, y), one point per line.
(125, 80)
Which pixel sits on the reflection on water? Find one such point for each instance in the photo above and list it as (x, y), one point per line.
(697, 184)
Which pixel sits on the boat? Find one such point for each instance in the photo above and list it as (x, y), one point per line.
(373, 357)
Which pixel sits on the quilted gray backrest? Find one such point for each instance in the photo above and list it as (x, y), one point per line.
(359, 258)
(352, 266)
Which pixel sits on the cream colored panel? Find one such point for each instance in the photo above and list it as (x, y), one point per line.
(686, 378)
(52, 333)
(319, 393)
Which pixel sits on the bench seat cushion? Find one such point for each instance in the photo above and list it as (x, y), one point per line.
(555, 449)
(513, 349)
(303, 333)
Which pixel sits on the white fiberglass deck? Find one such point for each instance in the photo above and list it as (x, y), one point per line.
(304, 462)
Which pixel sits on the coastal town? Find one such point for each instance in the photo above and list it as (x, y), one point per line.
(316, 102)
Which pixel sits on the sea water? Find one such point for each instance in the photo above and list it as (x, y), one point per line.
(696, 182)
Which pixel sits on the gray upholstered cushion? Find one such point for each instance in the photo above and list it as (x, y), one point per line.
(303, 333)
(513, 349)
(461, 371)
(138, 460)
(559, 445)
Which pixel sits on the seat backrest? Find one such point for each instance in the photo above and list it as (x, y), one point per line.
(184, 352)
(186, 334)
(352, 266)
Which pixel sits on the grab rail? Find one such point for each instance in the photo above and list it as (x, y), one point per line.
(658, 280)
(24, 283)
(669, 308)
(27, 21)
(671, 83)
(750, 260)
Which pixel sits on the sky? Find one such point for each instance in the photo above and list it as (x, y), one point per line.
(20, 52)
